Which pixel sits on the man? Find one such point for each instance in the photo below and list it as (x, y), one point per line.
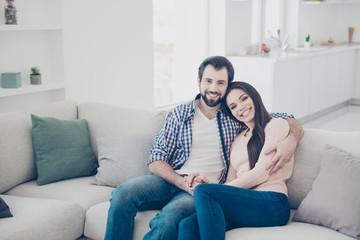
(196, 137)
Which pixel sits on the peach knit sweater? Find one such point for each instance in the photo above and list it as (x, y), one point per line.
(258, 178)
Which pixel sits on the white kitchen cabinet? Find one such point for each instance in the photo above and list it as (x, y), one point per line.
(301, 84)
(291, 87)
(35, 41)
(348, 71)
(356, 90)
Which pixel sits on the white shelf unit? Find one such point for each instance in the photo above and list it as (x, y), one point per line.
(36, 41)
(25, 46)
(26, 89)
(31, 27)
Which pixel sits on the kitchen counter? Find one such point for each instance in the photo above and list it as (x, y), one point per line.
(299, 52)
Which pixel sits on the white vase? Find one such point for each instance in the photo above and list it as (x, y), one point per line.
(307, 45)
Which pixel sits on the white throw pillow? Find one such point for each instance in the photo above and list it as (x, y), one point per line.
(122, 157)
(334, 200)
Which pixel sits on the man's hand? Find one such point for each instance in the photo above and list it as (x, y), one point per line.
(193, 180)
(284, 151)
(286, 148)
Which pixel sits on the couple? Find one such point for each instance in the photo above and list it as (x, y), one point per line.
(196, 138)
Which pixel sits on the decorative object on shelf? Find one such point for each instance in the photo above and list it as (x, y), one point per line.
(10, 13)
(283, 44)
(351, 33)
(265, 48)
(307, 43)
(253, 49)
(11, 80)
(35, 76)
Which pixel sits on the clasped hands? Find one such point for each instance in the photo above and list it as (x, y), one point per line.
(192, 180)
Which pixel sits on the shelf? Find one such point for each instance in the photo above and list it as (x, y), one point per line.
(26, 89)
(30, 27)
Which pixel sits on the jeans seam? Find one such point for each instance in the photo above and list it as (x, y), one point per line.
(212, 215)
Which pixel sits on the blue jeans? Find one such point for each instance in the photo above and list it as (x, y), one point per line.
(220, 208)
(149, 192)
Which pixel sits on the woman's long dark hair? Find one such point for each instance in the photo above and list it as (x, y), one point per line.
(261, 118)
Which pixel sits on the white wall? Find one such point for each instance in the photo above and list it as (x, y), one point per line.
(238, 25)
(108, 51)
(328, 20)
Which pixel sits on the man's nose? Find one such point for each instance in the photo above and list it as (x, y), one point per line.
(213, 87)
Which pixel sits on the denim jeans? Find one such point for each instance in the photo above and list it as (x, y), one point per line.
(149, 192)
(220, 208)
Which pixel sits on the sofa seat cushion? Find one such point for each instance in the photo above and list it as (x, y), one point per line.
(76, 190)
(96, 217)
(42, 219)
(293, 231)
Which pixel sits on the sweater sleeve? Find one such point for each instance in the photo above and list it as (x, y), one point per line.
(275, 131)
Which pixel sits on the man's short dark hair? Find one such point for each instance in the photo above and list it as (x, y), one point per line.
(217, 62)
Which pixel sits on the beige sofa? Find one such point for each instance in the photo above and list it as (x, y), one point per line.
(76, 208)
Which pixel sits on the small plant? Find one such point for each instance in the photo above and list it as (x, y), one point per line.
(307, 38)
(35, 71)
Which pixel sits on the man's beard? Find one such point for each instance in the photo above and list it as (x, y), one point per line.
(211, 103)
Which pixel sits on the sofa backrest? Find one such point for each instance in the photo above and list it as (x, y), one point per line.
(17, 161)
(308, 155)
(106, 120)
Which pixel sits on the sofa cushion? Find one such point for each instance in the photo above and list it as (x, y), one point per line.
(76, 190)
(105, 120)
(122, 157)
(17, 162)
(291, 231)
(4, 209)
(334, 200)
(42, 219)
(62, 149)
(96, 217)
(308, 155)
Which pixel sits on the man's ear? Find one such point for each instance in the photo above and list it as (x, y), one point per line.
(199, 81)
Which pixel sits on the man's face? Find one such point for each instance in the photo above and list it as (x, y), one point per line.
(213, 85)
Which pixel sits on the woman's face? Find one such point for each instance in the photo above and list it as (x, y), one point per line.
(241, 106)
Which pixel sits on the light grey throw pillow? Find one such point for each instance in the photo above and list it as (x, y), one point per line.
(334, 200)
(122, 157)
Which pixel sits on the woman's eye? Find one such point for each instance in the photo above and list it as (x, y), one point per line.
(244, 98)
(232, 107)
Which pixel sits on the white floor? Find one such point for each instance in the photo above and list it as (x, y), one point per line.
(344, 119)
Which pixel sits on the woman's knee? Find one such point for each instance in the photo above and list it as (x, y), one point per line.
(204, 190)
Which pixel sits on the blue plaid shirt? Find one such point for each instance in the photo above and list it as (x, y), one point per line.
(173, 142)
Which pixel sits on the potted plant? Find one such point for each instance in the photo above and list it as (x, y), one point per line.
(35, 76)
(307, 43)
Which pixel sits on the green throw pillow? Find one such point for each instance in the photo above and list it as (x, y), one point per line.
(62, 149)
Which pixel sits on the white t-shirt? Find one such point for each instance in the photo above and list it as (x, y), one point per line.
(205, 154)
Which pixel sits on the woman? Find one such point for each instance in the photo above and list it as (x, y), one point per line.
(250, 197)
